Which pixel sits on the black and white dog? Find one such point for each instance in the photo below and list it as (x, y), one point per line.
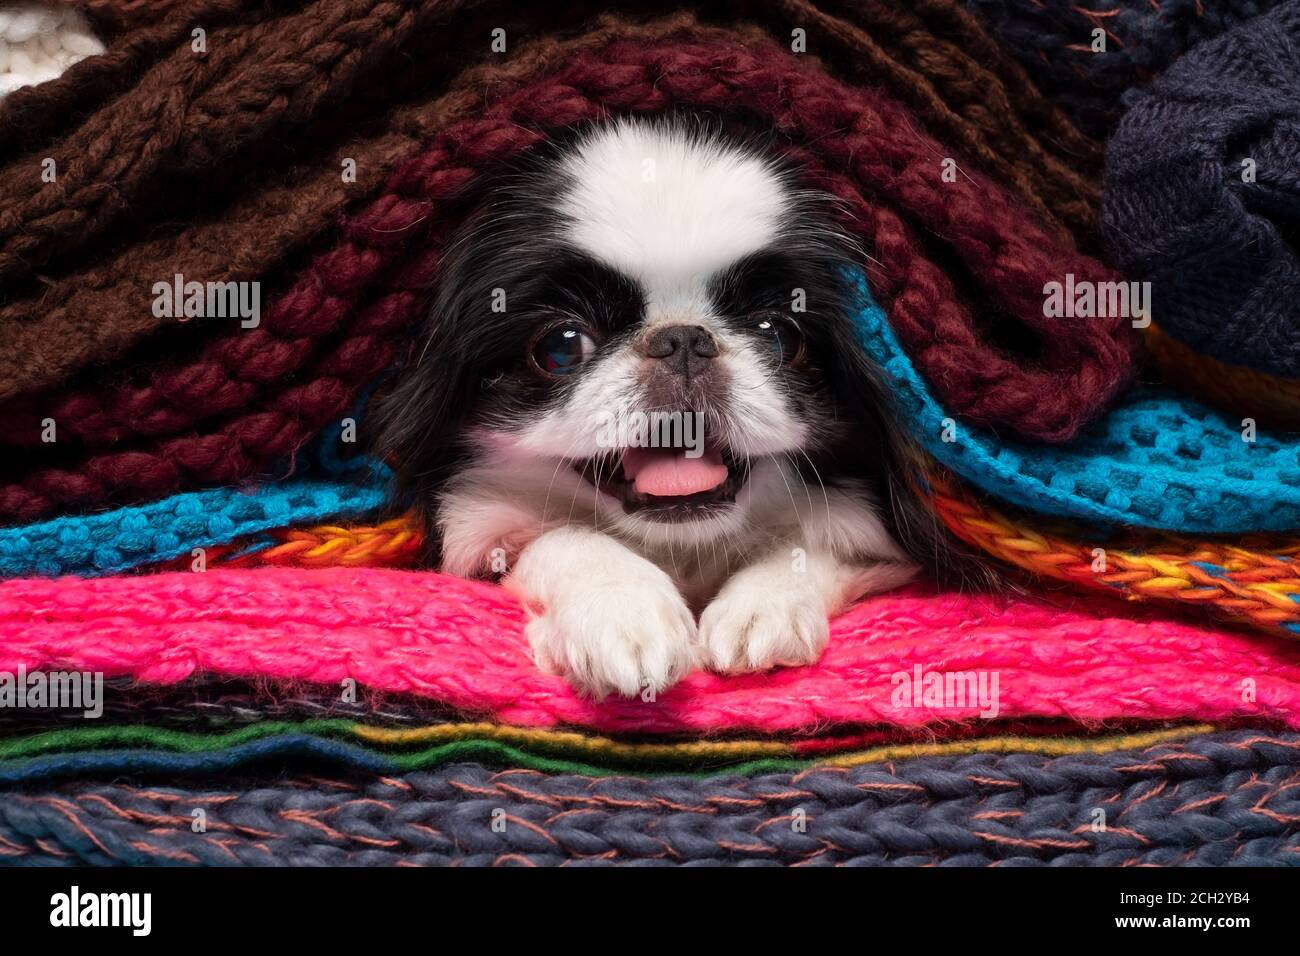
(641, 280)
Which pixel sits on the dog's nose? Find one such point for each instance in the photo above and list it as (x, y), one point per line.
(684, 349)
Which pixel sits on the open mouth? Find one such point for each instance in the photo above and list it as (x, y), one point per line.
(665, 484)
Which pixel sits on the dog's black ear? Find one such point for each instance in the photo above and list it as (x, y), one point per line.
(898, 467)
(417, 419)
(420, 414)
(915, 521)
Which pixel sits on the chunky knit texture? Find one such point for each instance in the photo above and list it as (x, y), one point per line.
(981, 82)
(1222, 799)
(1203, 194)
(1253, 580)
(461, 643)
(395, 543)
(33, 116)
(258, 227)
(173, 161)
(865, 146)
(183, 118)
(995, 121)
(1157, 460)
(111, 541)
(1053, 40)
(967, 94)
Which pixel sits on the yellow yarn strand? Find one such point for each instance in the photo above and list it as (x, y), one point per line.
(587, 744)
(697, 751)
(1046, 746)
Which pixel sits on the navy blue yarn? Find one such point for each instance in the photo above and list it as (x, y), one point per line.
(1222, 254)
(282, 747)
(1052, 40)
(1223, 801)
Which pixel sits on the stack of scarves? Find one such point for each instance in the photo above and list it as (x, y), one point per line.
(184, 512)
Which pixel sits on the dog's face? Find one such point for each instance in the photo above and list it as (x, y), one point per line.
(651, 323)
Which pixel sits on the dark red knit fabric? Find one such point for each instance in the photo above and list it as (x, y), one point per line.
(361, 295)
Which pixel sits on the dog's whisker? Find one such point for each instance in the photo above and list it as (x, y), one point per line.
(794, 507)
(825, 496)
(564, 460)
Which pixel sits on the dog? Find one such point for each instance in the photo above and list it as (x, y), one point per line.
(639, 400)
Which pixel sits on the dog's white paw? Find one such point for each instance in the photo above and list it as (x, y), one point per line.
(626, 639)
(756, 623)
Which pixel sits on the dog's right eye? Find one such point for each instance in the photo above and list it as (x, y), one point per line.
(559, 352)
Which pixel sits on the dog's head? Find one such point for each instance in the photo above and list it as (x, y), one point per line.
(653, 317)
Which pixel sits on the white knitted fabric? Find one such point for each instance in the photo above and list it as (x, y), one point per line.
(38, 42)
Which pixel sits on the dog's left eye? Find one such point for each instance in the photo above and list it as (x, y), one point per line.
(782, 335)
(560, 351)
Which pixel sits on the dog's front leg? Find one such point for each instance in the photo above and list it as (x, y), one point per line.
(603, 616)
(777, 610)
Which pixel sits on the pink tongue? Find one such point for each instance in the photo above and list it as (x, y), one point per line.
(668, 473)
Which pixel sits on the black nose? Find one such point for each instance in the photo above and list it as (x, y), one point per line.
(684, 349)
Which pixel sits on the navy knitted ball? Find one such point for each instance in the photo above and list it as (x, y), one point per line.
(1202, 194)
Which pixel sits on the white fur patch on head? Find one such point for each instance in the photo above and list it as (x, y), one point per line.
(669, 206)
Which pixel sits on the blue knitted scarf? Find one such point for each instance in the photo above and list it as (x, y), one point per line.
(1157, 460)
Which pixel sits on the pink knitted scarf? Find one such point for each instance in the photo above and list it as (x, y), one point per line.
(461, 643)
